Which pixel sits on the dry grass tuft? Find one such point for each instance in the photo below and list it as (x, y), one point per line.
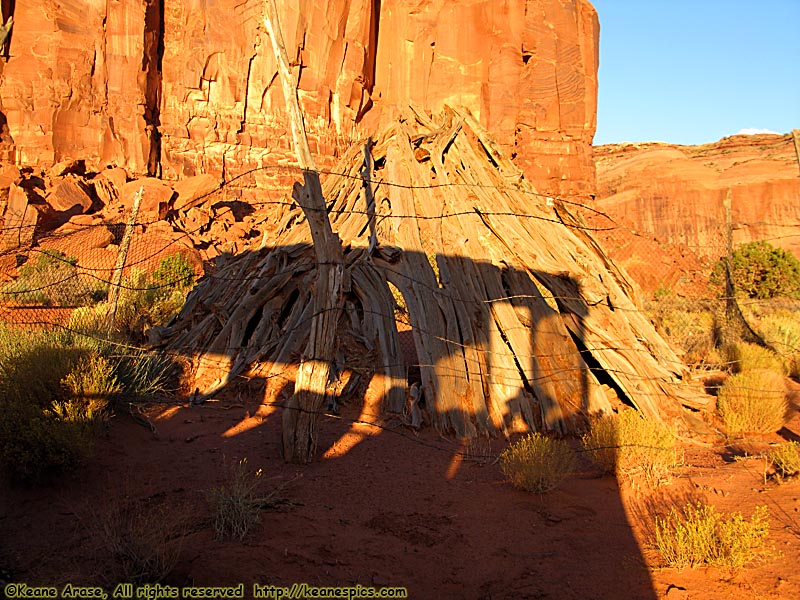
(697, 534)
(537, 463)
(753, 401)
(142, 539)
(632, 445)
(236, 503)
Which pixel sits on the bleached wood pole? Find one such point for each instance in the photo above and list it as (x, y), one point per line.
(122, 257)
(301, 414)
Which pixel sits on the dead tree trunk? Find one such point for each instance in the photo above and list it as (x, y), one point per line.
(301, 413)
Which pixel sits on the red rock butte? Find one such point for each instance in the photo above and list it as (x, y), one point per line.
(190, 87)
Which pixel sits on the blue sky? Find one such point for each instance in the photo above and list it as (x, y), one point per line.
(694, 71)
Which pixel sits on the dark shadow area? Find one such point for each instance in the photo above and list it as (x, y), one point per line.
(397, 510)
(385, 499)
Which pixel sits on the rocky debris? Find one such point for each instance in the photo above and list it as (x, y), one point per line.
(108, 183)
(668, 200)
(70, 194)
(194, 191)
(84, 215)
(155, 89)
(156, 200)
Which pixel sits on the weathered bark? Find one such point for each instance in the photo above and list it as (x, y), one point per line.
(301, 412)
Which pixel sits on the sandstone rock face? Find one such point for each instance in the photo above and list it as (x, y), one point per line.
(193, 89)
(74, 85)
(672, 198)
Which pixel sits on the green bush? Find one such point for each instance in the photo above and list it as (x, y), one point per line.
(786, 459)
(753, 401)
(630, 444)
(697, 534)
(537, 463)
(174, 272)
(760, 270)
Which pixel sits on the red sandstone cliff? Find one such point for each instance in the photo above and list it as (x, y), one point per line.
(189, 86)
(672, 198)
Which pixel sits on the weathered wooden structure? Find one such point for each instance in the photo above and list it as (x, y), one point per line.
(518, 316)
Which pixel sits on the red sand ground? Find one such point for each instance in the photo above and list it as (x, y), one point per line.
(385, 507)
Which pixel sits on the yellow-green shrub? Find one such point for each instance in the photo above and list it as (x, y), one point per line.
(537, 463)
(752, 357)
(786, 459)
(630, 444)
(753, 401)
(697, 534)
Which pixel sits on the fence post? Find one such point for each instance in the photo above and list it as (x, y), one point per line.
(122, 256)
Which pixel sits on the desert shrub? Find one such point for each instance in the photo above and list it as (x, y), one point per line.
(32, 365)
(760, 270)
(688, 326)
(51, 278)
(145, 300)
(753, 401)
(89, 388)
(630, 444)
(786, 459)
(173, 271)
(53, 386)
(793, 365)
(235, 503)
(537, 463)
(36, 445)
(779, 326)
(697, 534)
(743, 356)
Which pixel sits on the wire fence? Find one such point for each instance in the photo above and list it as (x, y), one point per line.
(82, 276)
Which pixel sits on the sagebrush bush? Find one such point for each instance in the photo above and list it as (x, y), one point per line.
(753, 402)
(53, 386)
(630, 444)
(786, 459)
(537, 463)
(743, 357)
(697, 534)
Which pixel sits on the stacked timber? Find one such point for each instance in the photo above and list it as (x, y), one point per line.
(519, 319)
